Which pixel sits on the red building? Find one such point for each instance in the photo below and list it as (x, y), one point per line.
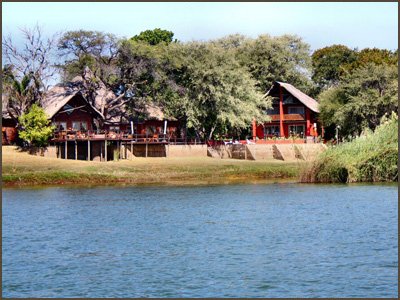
(69, 110)
(8, 124)
(293, 113)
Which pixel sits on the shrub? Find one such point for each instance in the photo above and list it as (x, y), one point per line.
(36, 129)
(370, 157)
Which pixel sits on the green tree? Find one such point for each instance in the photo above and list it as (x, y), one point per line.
(20, 94)
(328, 64)
(36, 128)
(94, 49)
(284, 58)
(155, 36)
(362, 99)
(217, 93)
(371, 55)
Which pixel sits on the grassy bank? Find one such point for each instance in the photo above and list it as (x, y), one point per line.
(20, 168)
(373, 157)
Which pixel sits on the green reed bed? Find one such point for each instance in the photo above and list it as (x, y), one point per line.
(372, 157)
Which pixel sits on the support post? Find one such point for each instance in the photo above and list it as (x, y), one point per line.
(66, 150)
(254, 129)
(101, 152)
(105, 150)
(308, 124)
(76, 150)
(146, 148)
(281, 115)
(88, 150)
(131, 150)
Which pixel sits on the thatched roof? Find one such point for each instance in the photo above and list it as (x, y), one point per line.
(303, 98)
(60, 95)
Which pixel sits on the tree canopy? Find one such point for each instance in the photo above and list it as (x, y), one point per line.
(328, 64)
(93, 49)
(155, 36)
(361, 99)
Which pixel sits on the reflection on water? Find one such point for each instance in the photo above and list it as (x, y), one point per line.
(274, 240)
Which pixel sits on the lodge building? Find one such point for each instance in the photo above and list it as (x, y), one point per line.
(83, 132)
(293, 113)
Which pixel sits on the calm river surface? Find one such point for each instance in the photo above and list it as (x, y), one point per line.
(250, 240)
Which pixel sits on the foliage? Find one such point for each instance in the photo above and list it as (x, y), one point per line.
(35, 127)
(93, 49)
(19, 94)
(371, 157)
(155, 36)
(328, 64)
(218, 93)
(361, 99)
(27, 70)
(375, 56)
(284, 58)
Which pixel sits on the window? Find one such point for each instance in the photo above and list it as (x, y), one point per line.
(296, 110)
(60, 125)
(288, 99)
(271, 130)
(114, 128)
(68, 109)
(79, 125)
(272, 111)
(296, 130)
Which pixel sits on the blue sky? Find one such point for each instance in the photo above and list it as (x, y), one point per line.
(319, 24)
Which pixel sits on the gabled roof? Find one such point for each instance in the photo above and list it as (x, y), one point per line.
(303, 98)
(60, 95)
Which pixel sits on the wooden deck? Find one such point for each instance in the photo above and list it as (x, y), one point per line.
(65, 136)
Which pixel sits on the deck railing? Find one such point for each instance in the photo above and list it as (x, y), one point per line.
(97, 135)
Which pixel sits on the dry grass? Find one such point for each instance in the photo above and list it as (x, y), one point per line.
(24, 169)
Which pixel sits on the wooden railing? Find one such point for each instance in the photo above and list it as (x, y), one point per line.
(97, 135)
(288, 117)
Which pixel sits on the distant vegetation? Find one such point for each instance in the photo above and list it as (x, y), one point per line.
(372, 157)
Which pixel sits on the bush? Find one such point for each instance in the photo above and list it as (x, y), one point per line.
(370, 157)
(36, 129)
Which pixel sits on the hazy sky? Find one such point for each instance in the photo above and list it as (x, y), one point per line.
(320, 24)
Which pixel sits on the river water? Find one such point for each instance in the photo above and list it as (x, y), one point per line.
(249, 240)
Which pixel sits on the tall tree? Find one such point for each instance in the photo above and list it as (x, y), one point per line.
(362, 99)
(28, 70)
(218, 94)
(328, 64)
(284, 58)
(93, 49)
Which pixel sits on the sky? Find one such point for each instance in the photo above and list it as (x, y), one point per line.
(356, 25)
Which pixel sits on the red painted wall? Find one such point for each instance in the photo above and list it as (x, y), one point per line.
(76, 116)
(310, 119)
(8, 131)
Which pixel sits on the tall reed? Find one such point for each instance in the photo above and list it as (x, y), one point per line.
(372, 157)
